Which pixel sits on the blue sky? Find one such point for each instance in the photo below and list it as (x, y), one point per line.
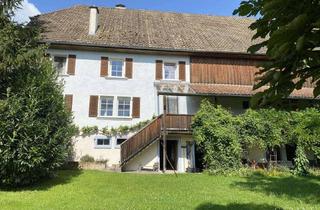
(213, 7)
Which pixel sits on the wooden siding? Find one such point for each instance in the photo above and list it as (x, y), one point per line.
(233, 71)
(223, 71)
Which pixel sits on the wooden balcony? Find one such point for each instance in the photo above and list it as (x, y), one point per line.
(174, 123)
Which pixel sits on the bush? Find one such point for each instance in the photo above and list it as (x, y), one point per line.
(87, 159)
(223, 137)
(301, 166)
(216, 136)
(35, 127)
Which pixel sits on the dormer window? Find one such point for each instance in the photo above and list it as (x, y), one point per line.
(117, 68)
(60, 64)
(170, 71)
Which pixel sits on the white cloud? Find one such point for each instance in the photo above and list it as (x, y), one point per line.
(25, 11)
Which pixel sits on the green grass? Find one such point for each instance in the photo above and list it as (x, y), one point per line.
(103, 190)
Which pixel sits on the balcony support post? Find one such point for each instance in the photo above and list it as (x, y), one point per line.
(164, 133)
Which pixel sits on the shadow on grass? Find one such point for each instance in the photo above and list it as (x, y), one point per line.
(60, 178)
(306, 189)
(237, 206)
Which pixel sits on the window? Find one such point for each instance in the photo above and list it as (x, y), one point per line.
(170, 71)
(116, 68)
(60, 63)
(120, 141)
(106, 106)
(114, 106)
(124, 106)
(172, 104)
(102, 142)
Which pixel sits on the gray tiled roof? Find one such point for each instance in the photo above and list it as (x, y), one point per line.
(149, 30)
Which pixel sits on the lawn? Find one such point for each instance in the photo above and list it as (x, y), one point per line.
(103, 190)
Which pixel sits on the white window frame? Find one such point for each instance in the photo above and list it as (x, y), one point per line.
(115, 106)
(110, 67)
(130, 106)
(96, 146)
(65, 72)
(117, 146)
(100, 98)
(176, 73)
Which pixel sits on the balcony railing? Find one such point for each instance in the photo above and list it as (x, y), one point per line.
(174, 123)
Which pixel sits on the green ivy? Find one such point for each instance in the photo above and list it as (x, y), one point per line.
(120, 131)
(89, 130)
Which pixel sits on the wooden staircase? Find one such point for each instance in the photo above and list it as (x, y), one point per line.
(180, 124)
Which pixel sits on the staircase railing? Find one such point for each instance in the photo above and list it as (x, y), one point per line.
(141, 139)
(152, 132)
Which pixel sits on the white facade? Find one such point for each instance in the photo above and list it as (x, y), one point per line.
(87, 81)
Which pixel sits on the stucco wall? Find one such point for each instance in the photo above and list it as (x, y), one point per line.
(87, 81)
(85, 146)
(146, 159)
(151, 155)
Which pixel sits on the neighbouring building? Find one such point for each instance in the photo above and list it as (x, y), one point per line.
(121, 66)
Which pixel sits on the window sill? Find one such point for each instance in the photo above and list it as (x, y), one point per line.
(102, 147)
(63, 75)
(114, 117)
(173, 80)
(116, 78)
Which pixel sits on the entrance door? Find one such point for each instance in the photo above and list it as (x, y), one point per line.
(172, 155)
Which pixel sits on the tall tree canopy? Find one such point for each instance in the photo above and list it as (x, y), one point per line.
(35, 127)
(289, 32)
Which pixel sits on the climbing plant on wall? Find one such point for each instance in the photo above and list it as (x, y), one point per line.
(223, 137)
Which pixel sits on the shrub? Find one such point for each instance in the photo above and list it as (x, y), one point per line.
(301, 166)
(219, 135)
(215, 133)
(87, 159)
(102, 161)
(35, 127)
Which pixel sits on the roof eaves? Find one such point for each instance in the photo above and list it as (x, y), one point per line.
(88, 44)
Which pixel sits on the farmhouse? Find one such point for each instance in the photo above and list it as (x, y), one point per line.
(121, 67)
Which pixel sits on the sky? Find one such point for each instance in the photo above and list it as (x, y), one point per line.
(209, 7)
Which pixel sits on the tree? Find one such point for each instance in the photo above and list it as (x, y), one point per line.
(7, 6)
(35, 127)
(289, 32)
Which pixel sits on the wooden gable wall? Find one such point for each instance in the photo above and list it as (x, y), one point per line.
(233, 71)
